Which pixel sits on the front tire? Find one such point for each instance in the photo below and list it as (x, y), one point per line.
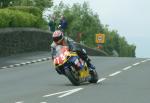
(73, 76)
(94, 76)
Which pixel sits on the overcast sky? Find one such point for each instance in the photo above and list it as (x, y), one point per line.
(130, 17)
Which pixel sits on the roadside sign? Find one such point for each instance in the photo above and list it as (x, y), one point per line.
(100, 38)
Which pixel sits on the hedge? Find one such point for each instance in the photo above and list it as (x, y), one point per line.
(29, 9)
(15, 18)
(21, 40)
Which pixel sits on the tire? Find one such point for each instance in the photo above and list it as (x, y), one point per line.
(94, 76)
(73, 76)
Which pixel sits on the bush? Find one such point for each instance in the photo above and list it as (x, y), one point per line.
(15, 18)
(29, 9)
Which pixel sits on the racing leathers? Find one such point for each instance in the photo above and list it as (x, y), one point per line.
(73, 47)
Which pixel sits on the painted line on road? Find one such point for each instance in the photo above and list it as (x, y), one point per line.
(4, 67)
(71, 92)
(33, 61)
(64, 93)
(113, 74)
(143, 61)
(147, 60)
(39, 60)
(100, 80)
(16, 64)
(23, 63)
(126, 68)
(26, 63)
(45, 58)
(11, 66)
(20, 102)
(136, 64)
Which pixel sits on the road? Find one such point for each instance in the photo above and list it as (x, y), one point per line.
(121, 80)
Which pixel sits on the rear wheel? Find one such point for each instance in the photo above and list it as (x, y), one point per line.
(94, 76)
(73, 76)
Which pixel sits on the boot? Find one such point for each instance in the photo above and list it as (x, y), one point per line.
(84, 56)
(89, 64)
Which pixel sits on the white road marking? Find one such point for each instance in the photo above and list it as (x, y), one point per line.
(20, 102)
(126, 68)
(23, 63)
(28, 62)
(72, 91)
(143, 61)
(100, 80)
(45, 59)
(113, 74)
(34, 61)
(39, 60)
(65, 93)
(11, 66)
(148, 59)
(69, 92)
(136, 64)
(4, 67)
(17, 64)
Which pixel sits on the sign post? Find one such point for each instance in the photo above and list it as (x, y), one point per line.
(100, 39)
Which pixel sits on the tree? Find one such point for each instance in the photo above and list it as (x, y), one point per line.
(81, 20)
(43, 3)
(38, 3)
(4, 3)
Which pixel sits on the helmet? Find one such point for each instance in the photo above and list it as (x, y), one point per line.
(58, 36)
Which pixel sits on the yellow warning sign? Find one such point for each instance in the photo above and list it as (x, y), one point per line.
(100, 38)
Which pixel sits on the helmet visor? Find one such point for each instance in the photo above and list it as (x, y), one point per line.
(56, 39)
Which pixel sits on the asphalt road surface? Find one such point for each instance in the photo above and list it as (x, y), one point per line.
(121, 80)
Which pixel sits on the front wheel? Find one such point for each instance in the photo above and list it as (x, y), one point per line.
(94, 76)
(73, 76)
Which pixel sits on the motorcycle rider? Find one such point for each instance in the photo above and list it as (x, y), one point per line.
(60, 39)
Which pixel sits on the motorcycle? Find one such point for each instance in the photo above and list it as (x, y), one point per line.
(68, 63)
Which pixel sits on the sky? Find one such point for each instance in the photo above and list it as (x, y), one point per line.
(131, 18)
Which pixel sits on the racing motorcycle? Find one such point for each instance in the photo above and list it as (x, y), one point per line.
(68, 63)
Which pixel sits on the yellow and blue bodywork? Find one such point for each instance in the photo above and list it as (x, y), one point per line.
(70, 60)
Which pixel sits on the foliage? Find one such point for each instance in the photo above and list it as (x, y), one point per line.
(115, 42)
(82, 20)
(29, 9)
(15, 18)
(43, 3)
(37, 3)
(4, 3)
(33, 7)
